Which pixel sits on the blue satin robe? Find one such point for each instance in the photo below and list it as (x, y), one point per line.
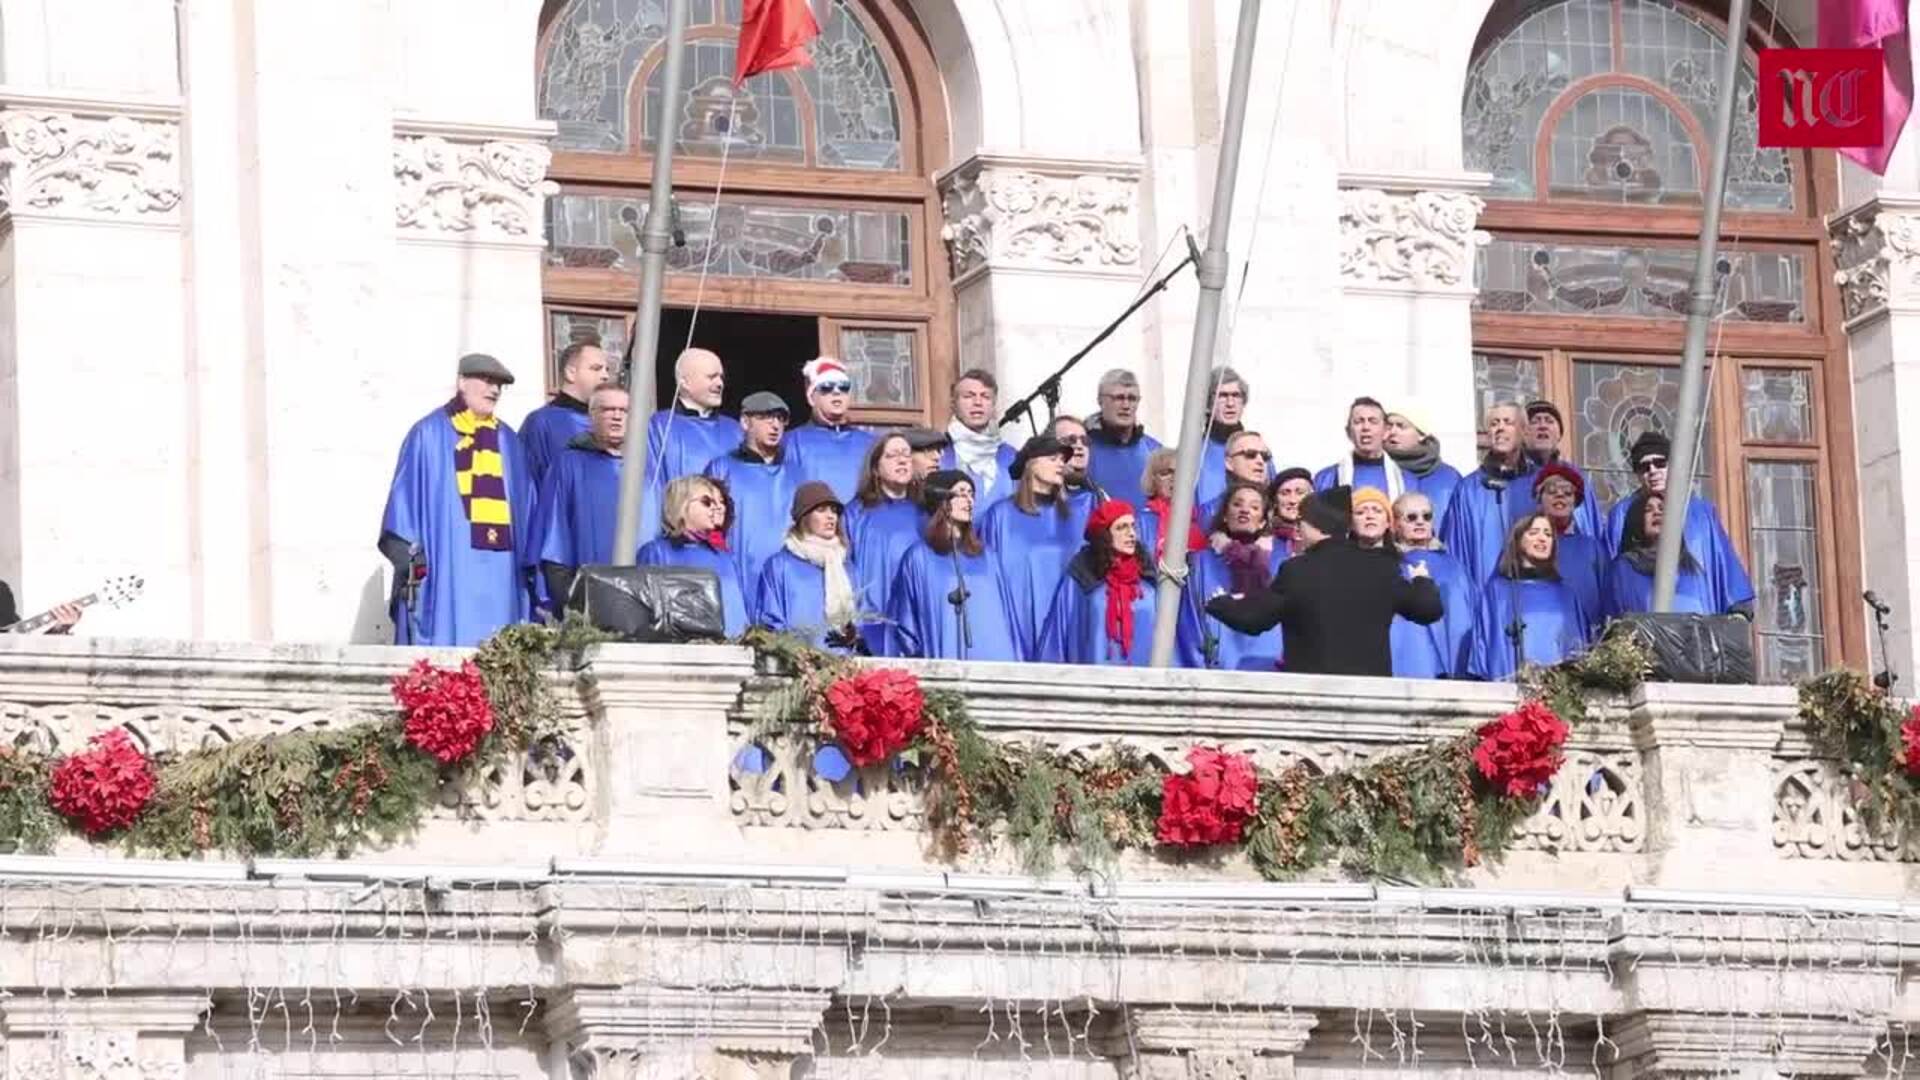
(1707, 541)
(1075, 630)
(1438, 485)
(1555, 627)
(881, 535)
(1030, 551)
(1205, 641)
(833, 456)
(1116, 468)
(1477, 521)
(924, 623)
(1213, 472)
(544, 435)
(1003, 485)
(576, 514)
(762, 494)
(792, 598)
(1629, 591)
(469, 593)
(1365, 474)
(1438, 650)
(679, 551)
(1583, 565)
(680, 444)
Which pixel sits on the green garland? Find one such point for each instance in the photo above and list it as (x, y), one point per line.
(320, 790)
(1873, 737)
(1415, 814)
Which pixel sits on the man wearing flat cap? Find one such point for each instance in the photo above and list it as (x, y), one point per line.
(458, 517)
(760, 476)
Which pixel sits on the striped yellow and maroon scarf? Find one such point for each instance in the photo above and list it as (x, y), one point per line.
(480, 476)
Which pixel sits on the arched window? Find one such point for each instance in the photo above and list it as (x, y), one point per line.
(1594, 118)
(805, 197)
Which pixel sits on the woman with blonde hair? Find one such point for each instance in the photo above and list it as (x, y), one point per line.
(693, 522)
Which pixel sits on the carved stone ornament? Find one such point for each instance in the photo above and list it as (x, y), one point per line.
(1416, 240)
(491, 190)
(90, 1055)
(104, 167)
(1876, 258)
(1007, 215)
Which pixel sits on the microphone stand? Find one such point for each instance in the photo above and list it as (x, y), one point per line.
(1049, 388)
(958, 597)
(1516, 626)
(1884, 678)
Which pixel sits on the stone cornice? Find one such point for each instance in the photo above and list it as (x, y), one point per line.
(471, 186)
(86, 164)
(1682, 1045)
(1409, 241)
(1416, 180)
(132, 106)
(1059, 215)
(540, 131)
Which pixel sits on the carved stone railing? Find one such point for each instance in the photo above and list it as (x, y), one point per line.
(1817, 813)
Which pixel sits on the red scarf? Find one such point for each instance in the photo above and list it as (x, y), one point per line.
(1163, 509)
(1123, 588)
(717, 540)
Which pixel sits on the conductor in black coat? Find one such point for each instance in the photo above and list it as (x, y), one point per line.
(1334, 601)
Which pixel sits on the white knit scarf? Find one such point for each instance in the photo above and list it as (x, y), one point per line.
(1396, 486)
(978, 452)
(831, 557)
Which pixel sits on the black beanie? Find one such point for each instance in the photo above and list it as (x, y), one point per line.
(1328, 510)
(1649, 444)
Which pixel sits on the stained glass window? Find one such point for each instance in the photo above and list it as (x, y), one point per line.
(1632, 131)
(1778, 404)
(1556, 278)
(755, 239)
(882, 364)
(1498, 379)
(1786, 569)
(840, 112)
(1614, 404)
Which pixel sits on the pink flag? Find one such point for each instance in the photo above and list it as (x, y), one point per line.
(1881, 24)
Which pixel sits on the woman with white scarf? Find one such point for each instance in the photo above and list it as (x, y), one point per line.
(805, 587)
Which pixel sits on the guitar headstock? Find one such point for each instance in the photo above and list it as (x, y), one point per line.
(121, 591)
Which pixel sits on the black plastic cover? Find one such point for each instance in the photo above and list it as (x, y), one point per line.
(650, 603)
(1692, 648)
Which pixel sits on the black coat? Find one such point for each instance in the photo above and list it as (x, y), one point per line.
(1336, 604)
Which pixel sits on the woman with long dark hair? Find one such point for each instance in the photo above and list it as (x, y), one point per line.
(1528, 615)
(947, 600)
(1246, 564)
(1030, 536)
(1629, 584)
(1103, 610)
(883, 521)
(806, 588)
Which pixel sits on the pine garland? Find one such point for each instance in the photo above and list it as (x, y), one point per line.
(1872, 736)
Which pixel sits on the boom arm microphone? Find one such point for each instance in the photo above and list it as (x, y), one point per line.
(1873, 601)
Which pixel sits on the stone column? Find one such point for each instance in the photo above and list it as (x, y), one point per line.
(1707, 757)
(1876, 252)
(126, 1036)
(1683, 1046)
(1045, 252)
(1407, 244)
(659, 1034)
(1173, 1044)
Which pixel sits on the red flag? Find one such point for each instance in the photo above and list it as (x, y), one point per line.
(1882, 24)
(773, 34)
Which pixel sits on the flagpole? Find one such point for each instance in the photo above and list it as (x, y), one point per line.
(1700, 306)
(1212, 271)
(656, 236)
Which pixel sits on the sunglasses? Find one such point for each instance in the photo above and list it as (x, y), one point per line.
(834, 388)
(1417, 515)
(1251, 455)
(1649, 464)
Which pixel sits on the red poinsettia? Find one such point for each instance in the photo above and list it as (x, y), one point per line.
(1520, 752)
(447, 712)
(1910, 742)
(104, 787)
(1212, 803)
(876, 713)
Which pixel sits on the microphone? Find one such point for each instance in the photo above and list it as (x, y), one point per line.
(1873, 601)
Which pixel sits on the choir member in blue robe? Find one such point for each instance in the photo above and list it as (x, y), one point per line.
(1705, 538)
(549, 429)
(1491, 498)
(459, 558)
(1289, 490)
(692, 534)
(1558, 489)
(946, 578)
(1544, 430)
(1031, 536)
(828, 448)
(883, 521)
(1229, 391)
(1526, 598)
(1367, 464)
(1417, 452)
(574, 520)
(1437, 650)
(806, 588)
(681, 440)
(976, 446)
(1157, 486)
(1103, 608)
(1248, 462)
(1116, 440)
(1072, 434)
(1630, 578)
(928, 447)
(760, 479)
(1246, 563)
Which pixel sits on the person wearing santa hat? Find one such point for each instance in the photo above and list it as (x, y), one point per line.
(828, 448)
(1103, 609)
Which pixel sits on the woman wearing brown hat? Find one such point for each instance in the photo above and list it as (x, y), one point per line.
(947, 600)
(806, 588)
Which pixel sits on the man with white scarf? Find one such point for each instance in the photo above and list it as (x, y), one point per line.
(1368, 465)
(977, 449)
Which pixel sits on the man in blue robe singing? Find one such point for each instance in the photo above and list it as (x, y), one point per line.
(1229, 393)
(1704, 537)
(828, 448)
(575, 519)
(1117, 443)
(761, 478)
(459, 505)
(1367, 463)
(548, 429)
(975, 446)
(681, 440)
(1488, 500)
(1544, 431)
